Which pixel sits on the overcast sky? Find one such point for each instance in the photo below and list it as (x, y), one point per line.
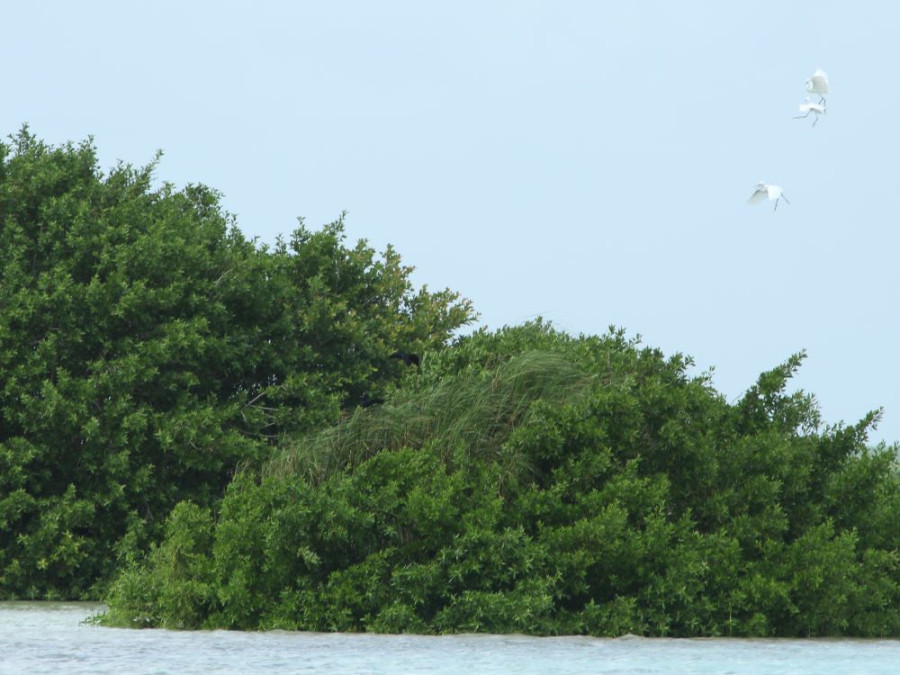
(588, 162)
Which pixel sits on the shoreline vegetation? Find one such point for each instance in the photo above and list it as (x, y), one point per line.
(208, 433)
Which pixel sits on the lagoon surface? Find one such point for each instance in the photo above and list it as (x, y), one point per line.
(41, 637)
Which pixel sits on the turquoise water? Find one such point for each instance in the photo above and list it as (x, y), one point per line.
(51, 638)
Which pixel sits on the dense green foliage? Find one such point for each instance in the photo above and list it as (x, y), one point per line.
(147, 349)
(533, 482)
(180, 412)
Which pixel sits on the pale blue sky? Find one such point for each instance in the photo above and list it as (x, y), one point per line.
(589, 162)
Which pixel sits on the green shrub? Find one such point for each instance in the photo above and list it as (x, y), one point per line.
(530, 482)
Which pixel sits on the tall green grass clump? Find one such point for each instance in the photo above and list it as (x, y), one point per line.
(474, 412)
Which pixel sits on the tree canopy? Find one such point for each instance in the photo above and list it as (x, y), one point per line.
(147, 349)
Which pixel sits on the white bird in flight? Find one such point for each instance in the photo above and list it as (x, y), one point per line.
(818, 84)
(817, 108)
(766, 191)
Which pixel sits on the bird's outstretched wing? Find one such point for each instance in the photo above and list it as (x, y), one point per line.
(761, 195)
(818, 83)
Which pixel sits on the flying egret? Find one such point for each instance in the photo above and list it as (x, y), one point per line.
(766, 191)
(808, 108)
(818, 84)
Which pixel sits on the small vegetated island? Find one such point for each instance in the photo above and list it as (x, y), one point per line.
(210, 433)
